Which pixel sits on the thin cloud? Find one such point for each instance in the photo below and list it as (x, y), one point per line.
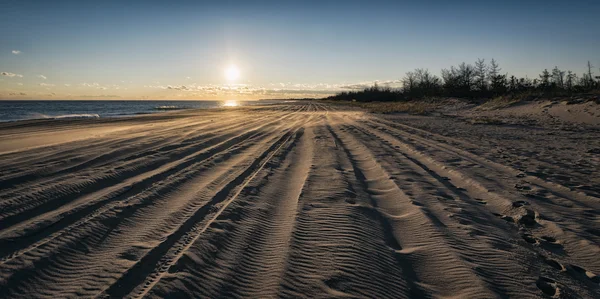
(290, 90)
(156, 86)
(11, 74)
(42, 77)
(99, 86)
(16, 52)
(276, 89)
(182, 87)
(94, 85)
(46, 84)
(356, 86)
(100, 96)
(296, 91)
(363, 85)
(390, 83)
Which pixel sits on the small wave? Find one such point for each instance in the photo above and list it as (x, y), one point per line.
(65, 116)
(168, 108)
(90, 115)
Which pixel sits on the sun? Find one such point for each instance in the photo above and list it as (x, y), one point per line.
(232, 73)
(231, 103)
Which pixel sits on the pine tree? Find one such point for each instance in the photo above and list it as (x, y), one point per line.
(480, 75)
(558, 77)
(545, 77)
(497, 81)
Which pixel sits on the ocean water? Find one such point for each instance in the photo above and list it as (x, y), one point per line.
(56, 109)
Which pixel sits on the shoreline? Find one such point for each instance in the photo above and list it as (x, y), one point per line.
(164, 106)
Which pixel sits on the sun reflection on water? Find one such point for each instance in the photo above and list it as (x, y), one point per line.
(231, 103)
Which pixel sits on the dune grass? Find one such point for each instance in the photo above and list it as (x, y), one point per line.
(413, 107)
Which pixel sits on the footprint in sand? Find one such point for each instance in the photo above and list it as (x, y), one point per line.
(529, 239)
(527, 218)
(554, 264)
(481, 201)
(583, 273)
(522, 187)
(549, 239)
(547, 285)
(338, 282)
(551, 244)
(519, 203)
(505, 217)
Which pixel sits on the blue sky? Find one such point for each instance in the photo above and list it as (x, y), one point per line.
(155, 49)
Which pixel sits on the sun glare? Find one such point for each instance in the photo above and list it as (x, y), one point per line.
(232, 73)
(230, 103)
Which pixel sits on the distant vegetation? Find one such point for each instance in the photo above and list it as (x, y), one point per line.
(476, 82)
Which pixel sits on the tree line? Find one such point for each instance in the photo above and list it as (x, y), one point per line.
(480, 80)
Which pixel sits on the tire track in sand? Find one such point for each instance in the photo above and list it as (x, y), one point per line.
(136, 223)
(143, 276)
(414, 237)
(73, 217)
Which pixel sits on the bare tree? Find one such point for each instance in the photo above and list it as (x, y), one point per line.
(409, 82)
(421, 83)
(589, 74)
(571, 77)
(584, 81)
(426, 79)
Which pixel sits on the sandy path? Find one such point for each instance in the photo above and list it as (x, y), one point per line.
(289, 201)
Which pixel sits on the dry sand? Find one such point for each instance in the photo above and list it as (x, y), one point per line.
(297, 200)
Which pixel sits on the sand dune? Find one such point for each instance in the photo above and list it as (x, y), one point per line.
(294, 200)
